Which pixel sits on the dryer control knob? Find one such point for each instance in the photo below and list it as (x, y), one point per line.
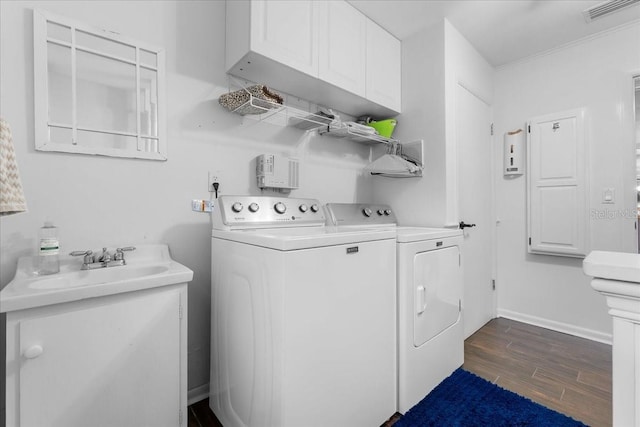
(387, 212)
(254, 207)
(236, 207)
(314, 208)
(303, 208)
(280, 207)
(380, 212)
(367, 212)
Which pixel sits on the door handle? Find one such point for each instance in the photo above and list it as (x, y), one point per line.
(421, 303)
(463, 225)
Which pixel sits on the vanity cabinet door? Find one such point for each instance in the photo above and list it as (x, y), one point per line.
(107, 362)
(343, 41)
(287, 32)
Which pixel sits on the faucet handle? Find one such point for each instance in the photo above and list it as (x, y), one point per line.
(79, 253)
(119, 256)
(88, 256)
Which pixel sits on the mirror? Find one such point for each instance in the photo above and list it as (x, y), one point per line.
(96, 92)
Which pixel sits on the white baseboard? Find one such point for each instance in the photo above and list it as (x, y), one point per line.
(557, 326)
(197, 394)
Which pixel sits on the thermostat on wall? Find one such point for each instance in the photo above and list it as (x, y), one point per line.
(273, 171)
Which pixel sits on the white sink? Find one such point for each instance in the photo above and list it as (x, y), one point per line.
(96, 277)
(149, 266)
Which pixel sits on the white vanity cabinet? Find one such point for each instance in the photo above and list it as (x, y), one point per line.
(327, 52)
(114, 360)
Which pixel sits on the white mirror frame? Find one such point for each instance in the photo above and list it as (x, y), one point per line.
(148, 146)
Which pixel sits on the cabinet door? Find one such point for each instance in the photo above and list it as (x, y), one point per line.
(342, 44)
(384, 57)
(557, 196)
(105, 365)
(287, 32)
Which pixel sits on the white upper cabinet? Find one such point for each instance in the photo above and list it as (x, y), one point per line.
(343, 42)
(318, 50)
(384, 56)
(287, 32)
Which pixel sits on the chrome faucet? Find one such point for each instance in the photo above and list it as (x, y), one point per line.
(105, 257)
(104, 260)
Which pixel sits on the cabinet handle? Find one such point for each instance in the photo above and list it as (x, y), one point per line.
(33, 351)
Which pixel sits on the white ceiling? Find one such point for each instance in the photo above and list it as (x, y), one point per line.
(502, 31)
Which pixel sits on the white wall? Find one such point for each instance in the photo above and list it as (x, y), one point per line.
(594, 73)
(434, 62)
(101, 201)
(420, 201)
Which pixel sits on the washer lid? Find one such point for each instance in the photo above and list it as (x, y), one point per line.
(415, 234)
(287, 239)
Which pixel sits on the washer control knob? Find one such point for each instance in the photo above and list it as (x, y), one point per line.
(236, 207)
(367, 212)
(380, 212)
(387, 212)
(303, 208)
(314, 208)
(280, 207)
(254, 207)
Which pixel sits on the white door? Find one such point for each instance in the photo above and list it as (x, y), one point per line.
(557, 181)
(473, 122)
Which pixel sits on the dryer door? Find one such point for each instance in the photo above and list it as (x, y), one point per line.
(437, 281)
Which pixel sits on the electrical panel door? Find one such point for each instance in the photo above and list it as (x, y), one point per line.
(557, 197)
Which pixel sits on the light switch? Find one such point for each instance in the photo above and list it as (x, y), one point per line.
(609, 196)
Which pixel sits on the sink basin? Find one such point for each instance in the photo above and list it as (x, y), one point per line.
(149, 266)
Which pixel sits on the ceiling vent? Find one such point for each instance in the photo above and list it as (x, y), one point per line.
(606, 8)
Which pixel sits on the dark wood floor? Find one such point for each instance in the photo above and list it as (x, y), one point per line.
(562, 372)
(568, 374)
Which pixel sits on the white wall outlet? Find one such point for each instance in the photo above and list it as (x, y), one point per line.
(213, 177)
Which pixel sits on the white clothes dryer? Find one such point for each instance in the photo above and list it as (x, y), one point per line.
(430, 290)
(302, 317)
(430, 329)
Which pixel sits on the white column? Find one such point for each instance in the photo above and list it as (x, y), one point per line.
(617, 277)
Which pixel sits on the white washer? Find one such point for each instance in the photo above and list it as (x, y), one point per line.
(302, 317)
(430, 290)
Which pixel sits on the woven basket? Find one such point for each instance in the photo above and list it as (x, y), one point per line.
(255, 99)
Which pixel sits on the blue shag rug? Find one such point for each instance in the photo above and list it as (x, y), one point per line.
(464, 400)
